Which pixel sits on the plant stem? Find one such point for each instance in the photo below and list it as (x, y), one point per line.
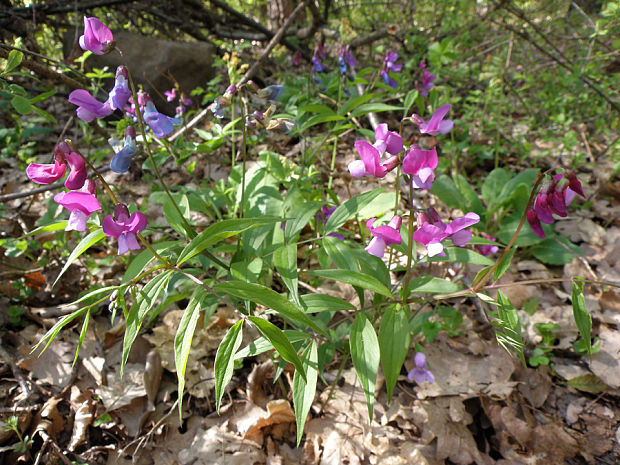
(244, 152)
(405, 294)
(335, 147)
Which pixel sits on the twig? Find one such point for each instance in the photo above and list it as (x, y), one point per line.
(16, 371)
(48, 439)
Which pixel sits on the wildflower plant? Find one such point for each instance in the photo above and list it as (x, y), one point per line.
(254, 226)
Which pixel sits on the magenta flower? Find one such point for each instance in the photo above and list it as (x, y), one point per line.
(426, 84)
(81, 204)
(317, 56)
(436, 125)
(297, 58)
(89, 107)
(171, 94)
(420, 373)
(97, 37)
(420, 165)
(487, 249)
(64, 155)
(121, 160)
(160, 124)
(120, 93)
(431, 231)
(370, 163)
(553, 198)
(383, 236)
(389, 64)
(124, 227)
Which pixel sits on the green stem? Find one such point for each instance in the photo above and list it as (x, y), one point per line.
(335, 147)
(244, 152)
(405, 295)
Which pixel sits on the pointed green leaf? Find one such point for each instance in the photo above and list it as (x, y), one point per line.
(354, 278)
(504, 264)
(374, 108)
(13, 61)
(21, 105)
(349, 209)
(394, 339)
(285, 260)
(508, 322)
(262, 345)
(340, 253)
(314, 303)
(279, 341)
(582, 317)
(172, 215)
(60, 226)
(301, 216)
(432, 285)
(304, 391)
(365, 354)
(87, 242)
(224, 360)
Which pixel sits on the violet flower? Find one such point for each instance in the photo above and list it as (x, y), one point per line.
(122, 159)
(64, 155)
(160, 124)
(426, 84)
(487, 249)
(120, 93)
(384, 236)
(420, 165)
(436, 124)
(89, 107)
(420, 373)
(171, 94)
(297, 59)
(431, 231)
(97, 37)
(81, 204)
(124, 227)
(323, 215)
(370, 163)
(553, 198)
(389, 64)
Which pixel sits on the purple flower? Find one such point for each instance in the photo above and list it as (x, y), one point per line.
(186, 101)
(420, 165)
(342, 63)
(422, 64)
(124, 227)
(427, 83)
(420, 373)
(97, 37)
(436, 125)
(120, 93)
(121, 160)
(297, 59)
(553, 198)
(171, 94)
(64, 155)
(383, 236)
(431, 231)
(389, 64)
(89, 107)
(81, 204)
(217, 109)
(487, 249)
(370, 163)
(160, 124)
(271, 92)
(323, 215)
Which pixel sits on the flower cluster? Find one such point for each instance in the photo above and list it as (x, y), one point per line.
(371, 163)
(184, 102)
(431, 231)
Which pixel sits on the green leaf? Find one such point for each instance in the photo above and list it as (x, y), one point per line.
(21, 105)
(318, 119)
(394, 342)
(13, 61)
(86, 243)
(82, 336)
(140, 261)
(493, 186)
(261, 344)
(508, 322)
(303, 214)
(269, 298)
(504, 264)
(247, 271)
(588, 383)
(54, 330)
(224, 360)
(410, 100)
(472, 202)
(279, 341)
(220, 231)
(60, 226)
(373, 108)
(144, 301)
(340, 253)
(551, 252)
(354, 278)
(304, 391)
(285, 260)
(432, 285)
(582, 317)
(460, 255)
(183, 339)
(172, 215)
(355, 102)
(445, 189)
(314, 303)
(364, 347)
(316, 108)
(349, 209)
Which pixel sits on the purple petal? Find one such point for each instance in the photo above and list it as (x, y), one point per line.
(420, 360)
(535, 225)
(369, 155)
(428, 233)
(388, 234)
(381, 132)
(376, 247)
(78, 201)
(111, 227)
(461, 223)
(394, 143)
(137, 222)
(569, 195)
(461, 238)
(77, 176)
(77, 221)
(123, 245)
(396, 67)
(357, 169)
(418, 183)
(45, 173)
(445, 126)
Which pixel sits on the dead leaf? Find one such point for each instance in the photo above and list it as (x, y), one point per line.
(606, 362)
(121, 391)
(254, 419)
(535, 384)
(84, 408)
(53, 366)
(48, 420)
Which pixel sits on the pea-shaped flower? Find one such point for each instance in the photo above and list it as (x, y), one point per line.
(81, 204)
(420, 165)
(97, 37)
(120, 93)
(124, 227)
(64, 155)
(160, 124)
(384, 236)
(89, 107)
(436, 125)
(120, 162)
(420, 373)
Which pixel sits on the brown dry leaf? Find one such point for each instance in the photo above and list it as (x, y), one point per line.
(152, 376)
(535, 384)
(457, 373)
(600, 430)
(610, 301)
(606, 362)
(255, 389)
(53, 366)
(84, 413)
(446, 420)
(121, 391)
(581, 230)
(251, 422)
(48, 420)
(217, 446)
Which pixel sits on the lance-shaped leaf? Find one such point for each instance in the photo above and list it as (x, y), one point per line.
(582, 317)
(365, 354)
(86, 243)
(225, 361)
(355, 278)
(394, 342)
(349, 209)
(305, 389)
(285, 260)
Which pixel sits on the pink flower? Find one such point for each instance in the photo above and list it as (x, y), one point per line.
(487, 249)
(420, 165)
(81, 204)
(89, 107)
(120, 93)
(436, 125)
(64, 155)
(97, 37)
(124, 227)
(370, 163)
(383, 236)
(171, 94)
(420, 373)
(431, 231)
(427, 83)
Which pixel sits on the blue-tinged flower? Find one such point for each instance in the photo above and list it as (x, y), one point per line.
(122, 159)
(389, 64)
(160, 124)
(120, 93)
(420, 373)
(89, 107)
(426, 84)
(272, 92)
